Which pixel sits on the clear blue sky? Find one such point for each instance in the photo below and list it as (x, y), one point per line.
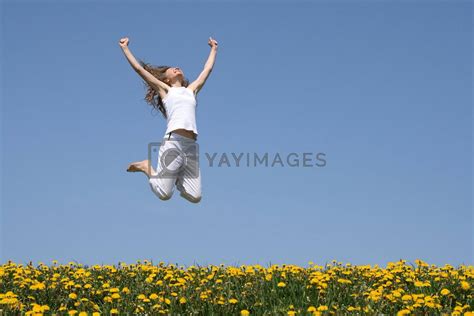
(384, 90)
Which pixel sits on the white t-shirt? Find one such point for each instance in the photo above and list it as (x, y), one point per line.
(180, 105)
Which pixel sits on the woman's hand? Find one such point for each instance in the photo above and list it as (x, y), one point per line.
(212, 42)
(124, 42)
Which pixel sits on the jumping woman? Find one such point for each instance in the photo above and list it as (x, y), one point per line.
(170, 92)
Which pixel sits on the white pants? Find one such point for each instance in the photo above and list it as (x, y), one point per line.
(187, 180)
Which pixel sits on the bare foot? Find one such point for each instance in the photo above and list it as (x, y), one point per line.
(138, 166)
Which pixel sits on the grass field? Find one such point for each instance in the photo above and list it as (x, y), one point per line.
(149, 289)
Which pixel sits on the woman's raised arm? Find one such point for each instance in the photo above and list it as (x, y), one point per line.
(156, 84)
(197, 84)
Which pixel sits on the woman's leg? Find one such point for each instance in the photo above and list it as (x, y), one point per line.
(163, 180)
(161, 183)
(162, 187)
(190, 187)
(189, 182)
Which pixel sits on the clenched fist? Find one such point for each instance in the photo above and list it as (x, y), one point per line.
(124, 42)
(212, 42)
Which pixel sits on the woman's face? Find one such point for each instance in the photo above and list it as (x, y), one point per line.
(173, 73)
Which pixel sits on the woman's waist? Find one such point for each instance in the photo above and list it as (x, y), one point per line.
(183, 132)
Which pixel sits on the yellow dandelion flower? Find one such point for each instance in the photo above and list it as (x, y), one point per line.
(153, 296)
(344, 281)
(322, 308)
(114, 311)
(182, 300)
(83, 314)
(73, 296)
(36, 308)
(281, 284)
(465, 285)
(126, 290)
(406, 297)
(244, 312)
(311, 309)
(233, 301)
(445, 291)
(403, 312)
(167, 301)
(291, 313)
(72, 312)
(38, 286)
(430, 304)
(115, 296)
(352, 308)
(95, 314)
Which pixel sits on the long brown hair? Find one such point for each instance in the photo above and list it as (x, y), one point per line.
(152, 97)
